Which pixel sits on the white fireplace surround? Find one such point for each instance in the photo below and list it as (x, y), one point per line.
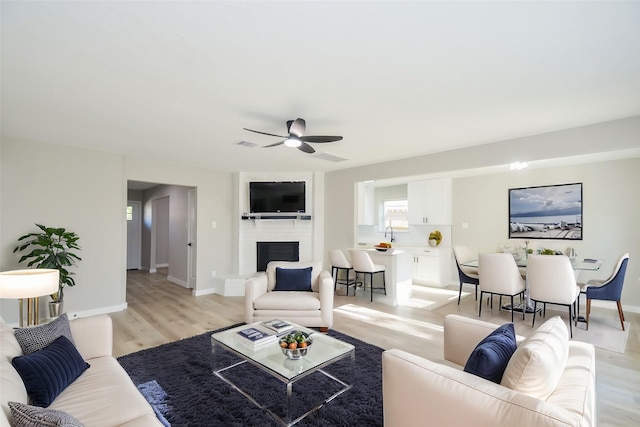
(273, 230)
(252, 231)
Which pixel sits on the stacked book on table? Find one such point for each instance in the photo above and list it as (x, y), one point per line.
(256, 338)
(278, 326)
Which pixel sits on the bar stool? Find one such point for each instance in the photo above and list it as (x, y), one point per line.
(340, 263)
(362, 264)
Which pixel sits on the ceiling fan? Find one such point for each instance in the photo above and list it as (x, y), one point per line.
(297, 138)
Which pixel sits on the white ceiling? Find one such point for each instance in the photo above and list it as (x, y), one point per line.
(179, 80)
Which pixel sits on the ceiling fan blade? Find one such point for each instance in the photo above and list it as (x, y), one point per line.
(319, 138)
(298, 127)
(264, 133)
(274, 145)
(306, 148)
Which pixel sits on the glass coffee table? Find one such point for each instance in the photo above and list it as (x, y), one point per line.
(270, 359)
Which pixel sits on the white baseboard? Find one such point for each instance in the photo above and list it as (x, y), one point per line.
(178, 281)
(201, 292)
(162, 265)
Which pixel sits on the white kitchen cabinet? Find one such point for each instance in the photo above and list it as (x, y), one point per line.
(425, 269)
(431, 266)
(429, 201)
(366, 203)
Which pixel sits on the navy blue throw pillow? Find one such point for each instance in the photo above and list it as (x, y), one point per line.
(47, 372)
(490, 357)
(293, 279)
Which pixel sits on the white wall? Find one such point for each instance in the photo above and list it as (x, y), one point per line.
(76, 189)
(86, 191)
(610, 214)
(611, 201)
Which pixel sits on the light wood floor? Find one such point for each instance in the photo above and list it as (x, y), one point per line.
(160, 312)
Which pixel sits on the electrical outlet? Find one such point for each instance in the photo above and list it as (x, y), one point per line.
(213, 273)
(465, 225)
(214, 224)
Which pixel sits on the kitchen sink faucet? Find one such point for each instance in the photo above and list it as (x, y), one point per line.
(385, 233)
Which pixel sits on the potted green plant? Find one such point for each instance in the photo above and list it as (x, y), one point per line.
(52, 248)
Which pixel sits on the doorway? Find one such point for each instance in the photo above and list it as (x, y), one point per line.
(160, 234)
(168, 225)
(192, 245)
(134, 235)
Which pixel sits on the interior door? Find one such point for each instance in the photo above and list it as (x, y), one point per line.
(192, 246)
(134, 234)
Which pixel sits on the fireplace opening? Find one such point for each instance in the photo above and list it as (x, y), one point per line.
(276, 251)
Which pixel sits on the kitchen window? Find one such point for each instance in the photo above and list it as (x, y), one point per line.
(396, 215)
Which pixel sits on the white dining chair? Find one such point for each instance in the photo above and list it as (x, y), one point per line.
(362, 264)
(552, 280)
(499, 275)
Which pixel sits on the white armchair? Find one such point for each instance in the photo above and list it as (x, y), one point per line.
(314, 308)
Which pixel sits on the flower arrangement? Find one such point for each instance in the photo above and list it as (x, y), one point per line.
(435, 237)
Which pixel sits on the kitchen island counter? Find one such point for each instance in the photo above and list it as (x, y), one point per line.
(398, 272)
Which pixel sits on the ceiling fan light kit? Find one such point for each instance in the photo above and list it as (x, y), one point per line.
(293, 142)
(296, 137)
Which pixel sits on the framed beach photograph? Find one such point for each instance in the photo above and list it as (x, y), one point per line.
(546, 212)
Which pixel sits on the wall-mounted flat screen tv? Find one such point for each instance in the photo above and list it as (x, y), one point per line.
(273, 197)
(546, 212)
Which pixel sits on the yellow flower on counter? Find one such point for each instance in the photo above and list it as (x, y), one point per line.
(436, 235)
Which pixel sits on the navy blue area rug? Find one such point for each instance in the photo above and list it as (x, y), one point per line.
(177, 380)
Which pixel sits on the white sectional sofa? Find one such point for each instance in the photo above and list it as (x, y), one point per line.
(421, 392)
(102, 396)
(310, 308)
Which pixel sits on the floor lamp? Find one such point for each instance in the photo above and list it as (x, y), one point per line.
(27, 286)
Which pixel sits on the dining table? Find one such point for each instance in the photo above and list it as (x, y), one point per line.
(578, 264)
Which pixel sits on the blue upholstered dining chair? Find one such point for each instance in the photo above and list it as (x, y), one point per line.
(609, 289)
(465, 274)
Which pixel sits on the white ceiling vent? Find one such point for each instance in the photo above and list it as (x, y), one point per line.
(329, 157)
(247, 144)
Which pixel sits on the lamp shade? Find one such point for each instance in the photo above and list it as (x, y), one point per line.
(30, 283)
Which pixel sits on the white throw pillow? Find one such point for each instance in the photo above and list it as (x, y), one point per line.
(537, 365)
